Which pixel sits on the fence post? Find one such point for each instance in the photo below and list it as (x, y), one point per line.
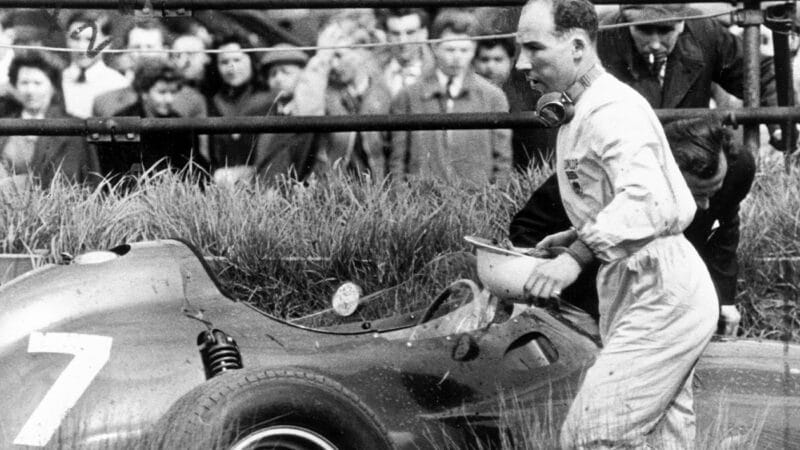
(751, 21)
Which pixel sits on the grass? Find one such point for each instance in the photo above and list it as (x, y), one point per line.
(287, 247)
(290, 245)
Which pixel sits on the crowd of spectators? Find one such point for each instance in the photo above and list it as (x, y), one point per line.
(673, 64)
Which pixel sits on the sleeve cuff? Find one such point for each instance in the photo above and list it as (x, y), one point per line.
(580, 252)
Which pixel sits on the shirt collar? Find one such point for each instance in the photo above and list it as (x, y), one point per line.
(457, 86)
(73, 71)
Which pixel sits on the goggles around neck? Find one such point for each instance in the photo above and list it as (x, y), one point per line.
(558, 108)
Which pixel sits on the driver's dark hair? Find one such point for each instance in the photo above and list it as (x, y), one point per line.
(697, 145)
(570, 15)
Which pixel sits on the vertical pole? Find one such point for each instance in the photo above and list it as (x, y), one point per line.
(783, 84)
(752, 71)
(780, 19)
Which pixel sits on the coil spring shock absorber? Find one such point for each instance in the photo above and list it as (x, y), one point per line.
(219, 352)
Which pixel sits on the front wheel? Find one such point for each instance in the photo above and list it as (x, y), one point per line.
(265, 409)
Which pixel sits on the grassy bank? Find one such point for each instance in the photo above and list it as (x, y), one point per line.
(291, 246)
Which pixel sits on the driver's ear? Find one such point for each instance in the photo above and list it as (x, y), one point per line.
(579, 45)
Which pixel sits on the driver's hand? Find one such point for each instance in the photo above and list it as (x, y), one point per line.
(730, 317)
(550, 278)
(560, 239)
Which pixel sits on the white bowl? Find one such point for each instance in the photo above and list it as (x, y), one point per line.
(503, 271)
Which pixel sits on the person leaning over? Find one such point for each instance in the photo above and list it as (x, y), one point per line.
(719, 176)
(674, 63)
(474, 157)
(628, 204)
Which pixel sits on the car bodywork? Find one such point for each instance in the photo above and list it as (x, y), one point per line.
(93, 353)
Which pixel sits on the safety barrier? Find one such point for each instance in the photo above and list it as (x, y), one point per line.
(750, 17)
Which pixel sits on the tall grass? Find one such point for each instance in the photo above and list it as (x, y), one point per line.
(288, 246)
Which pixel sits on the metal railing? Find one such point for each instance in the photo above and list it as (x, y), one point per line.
(750, 18)
(309, 124)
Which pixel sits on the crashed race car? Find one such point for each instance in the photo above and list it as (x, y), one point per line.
(139, 346)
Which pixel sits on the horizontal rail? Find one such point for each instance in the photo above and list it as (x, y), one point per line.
(307, 124)
(248, 4)
(283, 4)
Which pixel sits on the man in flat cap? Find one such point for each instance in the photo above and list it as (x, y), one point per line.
(673, 62)
(282, 154)
(281, 68)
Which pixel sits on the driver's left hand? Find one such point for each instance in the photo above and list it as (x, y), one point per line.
(550, 278)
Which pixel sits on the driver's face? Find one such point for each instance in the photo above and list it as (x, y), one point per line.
(544, 57)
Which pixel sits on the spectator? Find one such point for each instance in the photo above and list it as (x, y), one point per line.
(494, 59)
(36, 27)
(147, 39)
(37, 159)
(473, 156)
(192, 61)
(719, 176)
(157, 84)
(233, 155)
(9, 104)
(87, 76)
(342, 81)
(6, 55)
(282, 68)
(687, 56)
(407, 62)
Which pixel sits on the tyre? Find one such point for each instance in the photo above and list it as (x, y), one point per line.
(281, 410)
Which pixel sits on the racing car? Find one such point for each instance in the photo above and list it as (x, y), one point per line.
(139, 346)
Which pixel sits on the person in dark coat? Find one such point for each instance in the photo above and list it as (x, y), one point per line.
(157, 83)
(233, 155)
(340, 82)
(37, 159)
(719, 176)
(687, 57)
(283, 154)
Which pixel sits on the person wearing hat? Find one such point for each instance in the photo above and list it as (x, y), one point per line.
(341, 81)
(674, 62)
(281, 68)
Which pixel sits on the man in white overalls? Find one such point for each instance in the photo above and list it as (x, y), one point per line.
(628, 205)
